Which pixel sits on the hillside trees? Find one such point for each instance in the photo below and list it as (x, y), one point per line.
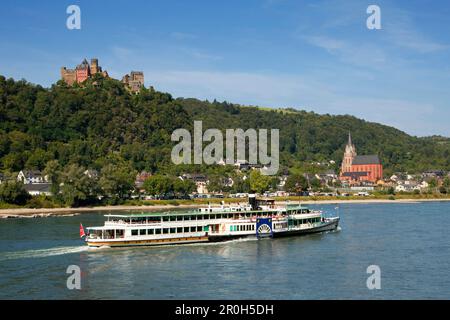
(83, 124)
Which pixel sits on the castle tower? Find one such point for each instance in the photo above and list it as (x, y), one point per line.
(68, 76)
(349, 155)
(94, 66)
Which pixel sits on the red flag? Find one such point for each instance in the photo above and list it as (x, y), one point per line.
(82, 234)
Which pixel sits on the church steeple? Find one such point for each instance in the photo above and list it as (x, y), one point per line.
(349, 155)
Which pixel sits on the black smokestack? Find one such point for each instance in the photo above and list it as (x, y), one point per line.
(252, 201)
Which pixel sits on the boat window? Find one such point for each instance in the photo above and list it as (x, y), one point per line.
(173, 230)
(157, 231)
(134, 232)
(179, 230)
(193, 229)
(186, 229)
(173, 218)
(165, 231)
(165, 218)
(150, 231)
(119, 233)
(199, 229)
(154, 219)
(193, 217)
(142, 232)
(205, 217)
(179, 218)
(200, 217)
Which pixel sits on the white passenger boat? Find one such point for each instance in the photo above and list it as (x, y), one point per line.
(259, 218)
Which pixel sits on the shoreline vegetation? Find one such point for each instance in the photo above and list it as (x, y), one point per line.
(155, 205)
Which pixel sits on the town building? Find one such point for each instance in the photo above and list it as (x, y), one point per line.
(39, 189)
(358, 168)
(200, 180)
(140, 179)
(92, 174)
(82, 72)
(31, 177)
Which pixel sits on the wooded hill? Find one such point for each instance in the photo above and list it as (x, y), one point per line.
(91, 123)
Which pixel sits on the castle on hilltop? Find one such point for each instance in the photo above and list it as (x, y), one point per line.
(356, 168)
(134, 81)
(82, 72)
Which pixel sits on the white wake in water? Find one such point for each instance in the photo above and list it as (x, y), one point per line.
(41, 253)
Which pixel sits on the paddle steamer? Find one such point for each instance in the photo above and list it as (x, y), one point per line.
(258, 218)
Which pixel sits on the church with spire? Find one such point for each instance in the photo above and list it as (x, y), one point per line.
(356, 169)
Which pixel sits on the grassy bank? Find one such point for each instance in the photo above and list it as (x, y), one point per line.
(201, 202)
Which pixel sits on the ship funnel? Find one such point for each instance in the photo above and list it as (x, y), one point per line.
(252, 201)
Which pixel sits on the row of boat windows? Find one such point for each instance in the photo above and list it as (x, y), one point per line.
(303, 221)
(243, 227)
(143, 232)
(297, 222)
(144, 220)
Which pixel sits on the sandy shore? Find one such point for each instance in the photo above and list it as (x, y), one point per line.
(37, 213)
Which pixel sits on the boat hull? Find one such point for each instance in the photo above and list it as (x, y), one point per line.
(154, 242)
(327, 226)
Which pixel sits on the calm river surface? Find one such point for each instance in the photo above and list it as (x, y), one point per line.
(410, 242)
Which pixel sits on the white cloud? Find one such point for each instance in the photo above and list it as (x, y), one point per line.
(357, 54)
(403, 33)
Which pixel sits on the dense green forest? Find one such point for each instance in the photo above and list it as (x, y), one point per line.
(101, 123)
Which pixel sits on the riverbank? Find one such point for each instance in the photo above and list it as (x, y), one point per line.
(186, 204)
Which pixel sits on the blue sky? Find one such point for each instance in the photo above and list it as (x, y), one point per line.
(312, 55)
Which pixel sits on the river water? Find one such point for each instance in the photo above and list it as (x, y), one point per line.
(409, 242)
